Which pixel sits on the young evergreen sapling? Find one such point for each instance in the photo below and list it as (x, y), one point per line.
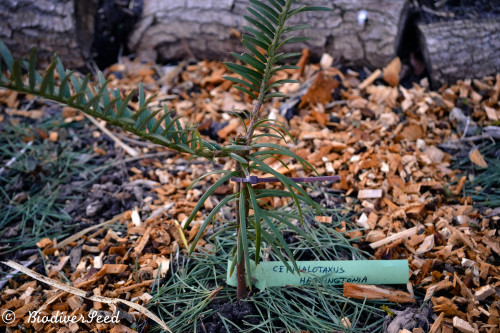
(268, 31)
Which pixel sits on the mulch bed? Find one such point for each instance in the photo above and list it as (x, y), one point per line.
(390, 145)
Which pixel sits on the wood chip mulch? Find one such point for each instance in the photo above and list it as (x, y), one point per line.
(382, 139)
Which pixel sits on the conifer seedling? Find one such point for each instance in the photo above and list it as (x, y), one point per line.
(268, 31)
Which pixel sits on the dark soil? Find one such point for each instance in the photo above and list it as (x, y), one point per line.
(240, 313)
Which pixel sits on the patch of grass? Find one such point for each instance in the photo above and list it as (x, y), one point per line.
(195, 284)
(32, 188)
(483, 185)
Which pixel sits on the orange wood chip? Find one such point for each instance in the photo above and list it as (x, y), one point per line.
(320, 91)
(478, 159)
(391, 72)
(362, 291)
(43, 243)
(114, 268)
(324, 219)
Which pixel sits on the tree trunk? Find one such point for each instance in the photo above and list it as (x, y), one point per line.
(173, 29)
(49, 25)
(459, 49)
(77, 30)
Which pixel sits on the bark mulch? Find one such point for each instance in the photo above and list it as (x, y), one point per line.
(394, 148)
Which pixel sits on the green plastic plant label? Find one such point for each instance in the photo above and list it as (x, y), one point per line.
(275, 273)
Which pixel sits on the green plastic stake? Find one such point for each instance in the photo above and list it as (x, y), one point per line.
(275, 273)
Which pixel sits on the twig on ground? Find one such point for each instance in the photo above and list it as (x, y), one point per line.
(86, 230)
(165, 208)
(141, 157)
(136, 141)
(403, 234)
(132, 152)
(11, 275)
(14, 159)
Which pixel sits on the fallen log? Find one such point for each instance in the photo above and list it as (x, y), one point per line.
(360, 33)
(454, 49)
(172, 29)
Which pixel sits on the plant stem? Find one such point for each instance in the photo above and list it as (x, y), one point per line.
(253, 118)
(242, 291)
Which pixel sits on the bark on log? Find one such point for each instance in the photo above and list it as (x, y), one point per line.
(460, 49)
(77, 30)
(49, 25)
(174, 29)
